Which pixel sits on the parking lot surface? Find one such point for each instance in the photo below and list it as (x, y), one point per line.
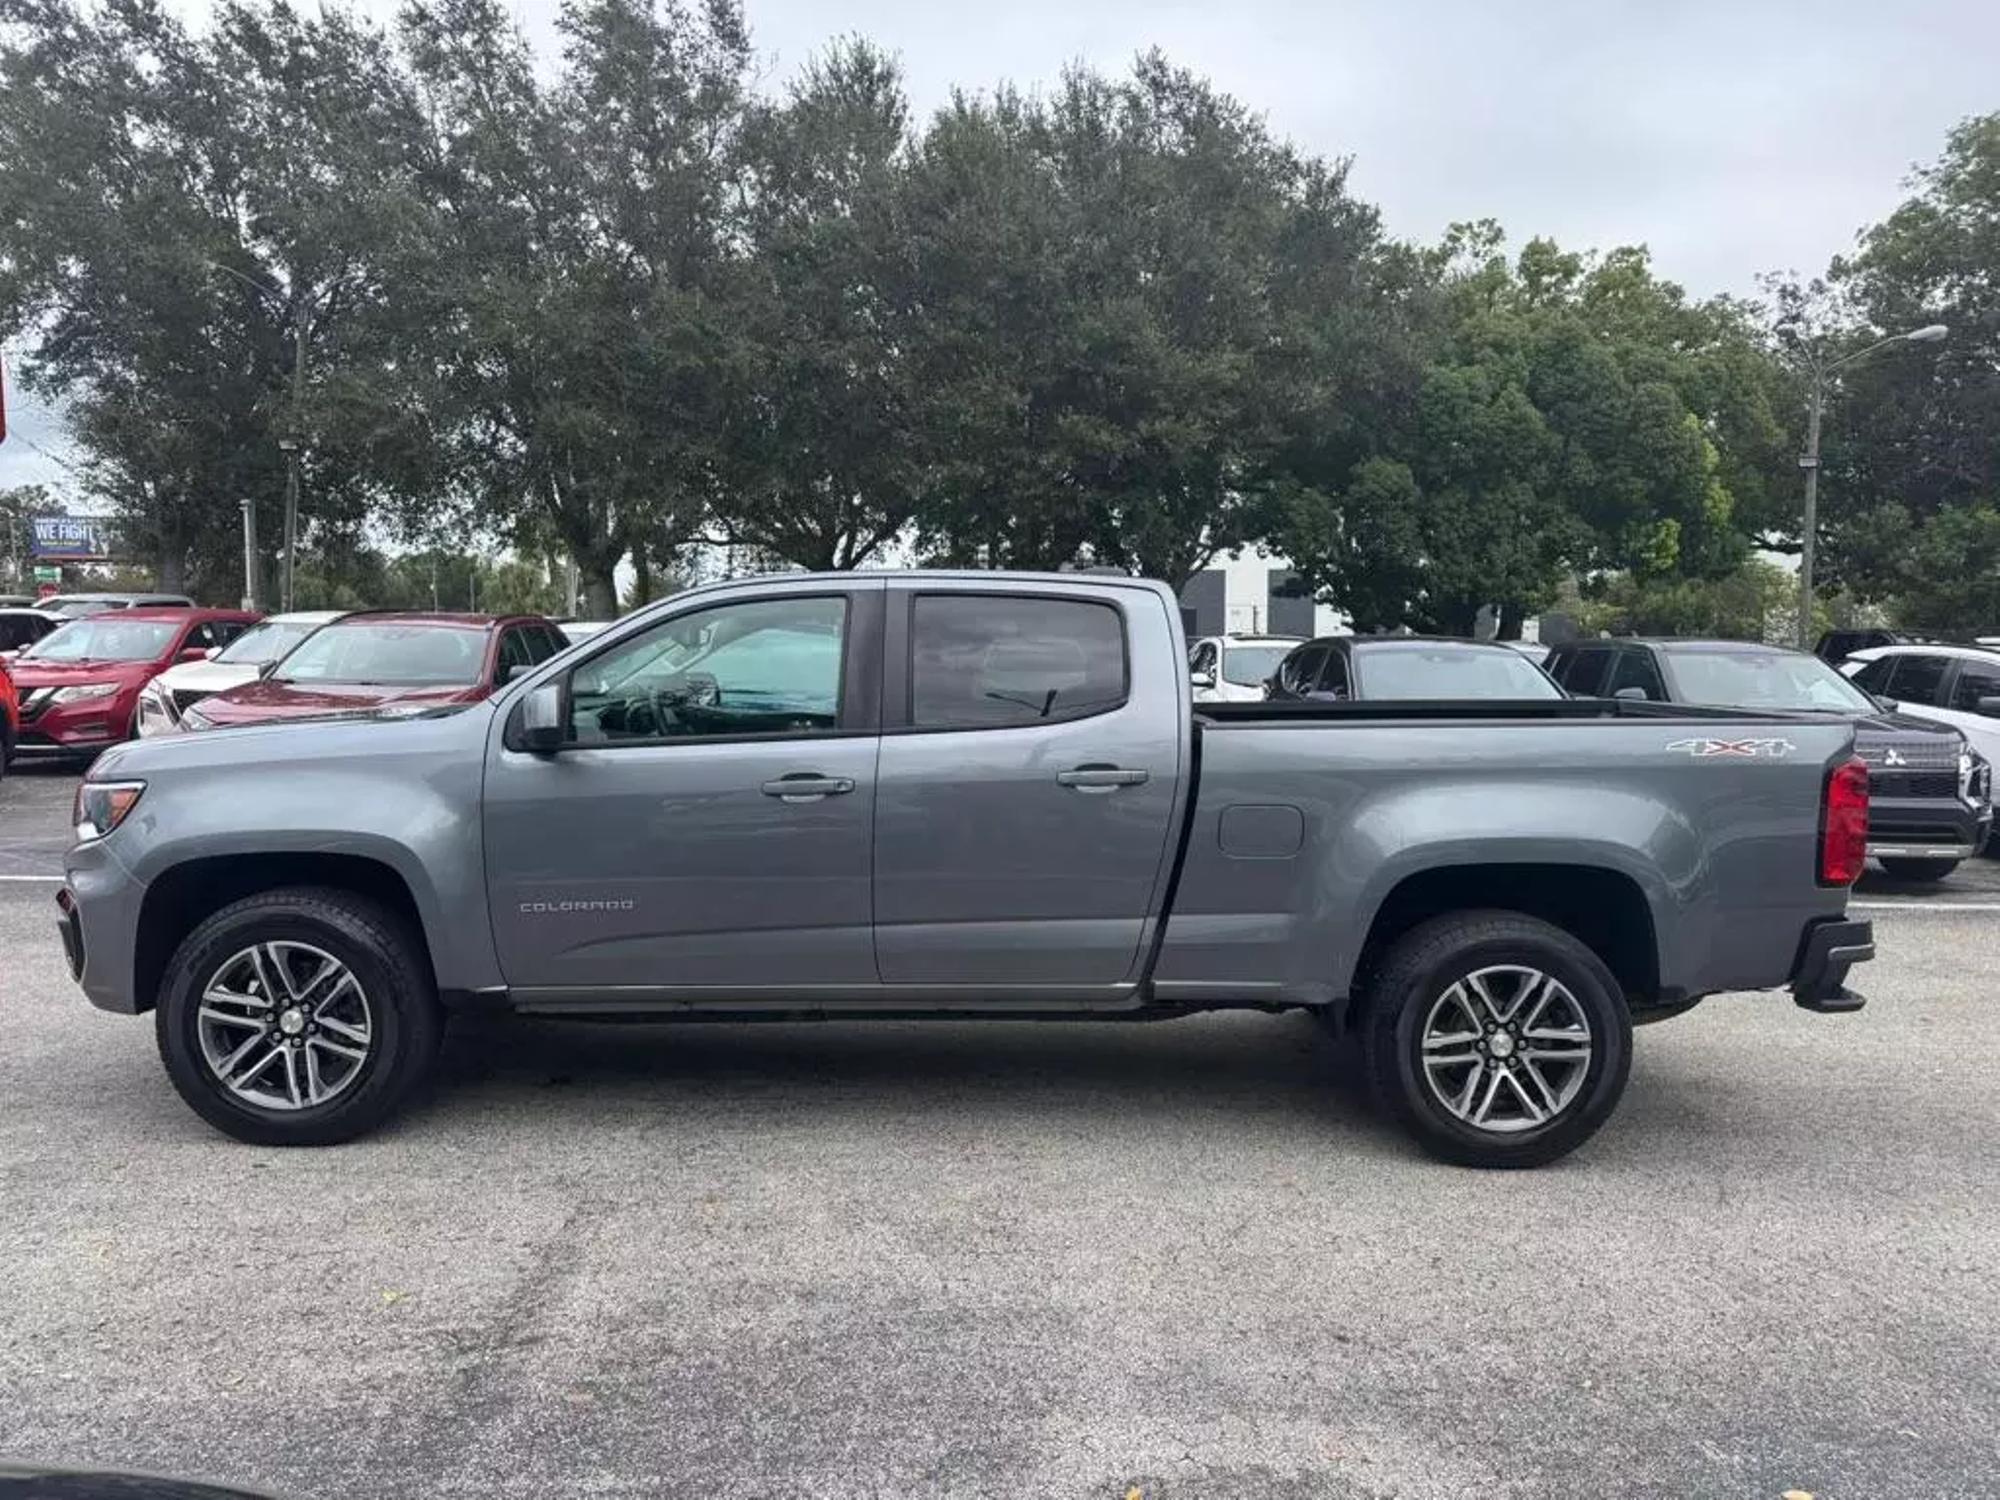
(954, 1259)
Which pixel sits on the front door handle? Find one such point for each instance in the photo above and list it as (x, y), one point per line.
(807, 786)
(1100, 778)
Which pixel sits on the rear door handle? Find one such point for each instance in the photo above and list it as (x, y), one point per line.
(1098, 778)
(807, 786)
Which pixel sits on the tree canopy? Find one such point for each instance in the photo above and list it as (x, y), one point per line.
(607, 307)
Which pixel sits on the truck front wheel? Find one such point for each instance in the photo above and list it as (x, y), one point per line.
(298, 1017)
(1498, 1039)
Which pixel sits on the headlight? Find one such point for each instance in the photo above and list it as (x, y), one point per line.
(1975, 777)
(83, 692)
(102, 805)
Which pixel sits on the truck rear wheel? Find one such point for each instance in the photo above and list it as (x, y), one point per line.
(1497, 1039)
(298, 1017)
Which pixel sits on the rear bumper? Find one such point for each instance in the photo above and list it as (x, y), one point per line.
(1827, 951)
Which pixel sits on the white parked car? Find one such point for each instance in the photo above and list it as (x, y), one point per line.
(1955, 685)
(163, 700)
(1232, 668)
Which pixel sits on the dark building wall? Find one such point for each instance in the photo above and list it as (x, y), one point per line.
(1286, 612)
(1203, 602)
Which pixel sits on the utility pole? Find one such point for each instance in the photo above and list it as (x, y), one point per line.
(289, 446)
(1810, 536)
(249, 553)
(1930, 333)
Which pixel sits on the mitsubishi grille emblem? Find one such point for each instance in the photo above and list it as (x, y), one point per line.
(1894, 758)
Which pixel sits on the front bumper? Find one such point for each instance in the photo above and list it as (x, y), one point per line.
(1927, 828)
(98, 907)
(1827, 951)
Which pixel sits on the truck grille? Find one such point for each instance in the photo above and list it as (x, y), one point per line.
(1912, 783)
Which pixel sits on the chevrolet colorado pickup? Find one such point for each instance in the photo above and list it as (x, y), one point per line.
(954, 794)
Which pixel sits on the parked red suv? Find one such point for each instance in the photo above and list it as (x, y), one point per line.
(363, 663)
(79, 684)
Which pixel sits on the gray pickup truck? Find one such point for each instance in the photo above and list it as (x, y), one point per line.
(951, 794)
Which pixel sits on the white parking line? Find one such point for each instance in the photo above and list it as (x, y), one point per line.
(1925, 905)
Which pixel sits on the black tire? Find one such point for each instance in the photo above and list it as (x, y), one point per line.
(1919, 869)
(382, 953)
(1431, 959)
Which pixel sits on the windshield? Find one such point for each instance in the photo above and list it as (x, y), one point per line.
(265, 642)
(1247, 666)
(1439, 669)
(1753, 678)
(104, 639)
(384, 652)
(76, 609)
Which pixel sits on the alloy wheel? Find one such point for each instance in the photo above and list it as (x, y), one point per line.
(1506, 1048)
(284, 1025)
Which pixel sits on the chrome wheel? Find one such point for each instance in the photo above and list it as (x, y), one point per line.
(1506, 1048)
(284, 1025)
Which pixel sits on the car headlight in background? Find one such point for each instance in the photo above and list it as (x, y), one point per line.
(82, 693)
(102, 805)
(1975, 777)
(193, 718)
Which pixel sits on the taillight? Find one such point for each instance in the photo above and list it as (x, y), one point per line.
(1843, 824)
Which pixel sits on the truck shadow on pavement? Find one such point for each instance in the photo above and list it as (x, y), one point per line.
(1254, 1067)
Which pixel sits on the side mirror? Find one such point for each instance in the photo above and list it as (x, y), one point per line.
(193, 653)
(1202, 679)
(503, 674)
(1990, 707)
(266, 668)
(1887, 705)
(542, 727)
(1631, 694)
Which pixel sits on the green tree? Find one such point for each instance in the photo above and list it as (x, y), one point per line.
(189, 225)
(561, 294)
(1912, 436)
(820, 470)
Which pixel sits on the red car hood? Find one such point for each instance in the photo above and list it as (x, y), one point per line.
(265, 700)
(29, 673)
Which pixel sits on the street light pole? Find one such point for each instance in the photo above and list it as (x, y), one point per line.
(1930, 333)
(249, 553)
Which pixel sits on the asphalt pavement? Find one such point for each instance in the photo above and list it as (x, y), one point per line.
(1019, 1260)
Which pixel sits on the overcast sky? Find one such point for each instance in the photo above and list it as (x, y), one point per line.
(1732, 138)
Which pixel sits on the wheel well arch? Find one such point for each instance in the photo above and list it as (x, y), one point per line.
(186, 894)
(1603, 908)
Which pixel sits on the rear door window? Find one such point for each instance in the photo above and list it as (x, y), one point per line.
(1299, 671)
(1584, 673)
(992, 661)
(1636, 669)
(1920, 679)
(1976, 680)
(1333, 679)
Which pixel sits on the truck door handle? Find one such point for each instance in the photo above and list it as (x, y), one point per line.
(1100, 778)
(807, 786)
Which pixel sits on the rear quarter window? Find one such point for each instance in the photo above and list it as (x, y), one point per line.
(992, 661)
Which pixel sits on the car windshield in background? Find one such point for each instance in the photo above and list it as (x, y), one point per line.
(77, 609)
(101, 639)
(1762, 679)
(262, 643)
(1439, 669)
(385, 653)
(1247, 666)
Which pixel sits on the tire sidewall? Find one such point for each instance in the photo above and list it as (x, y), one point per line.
(1604, 1078)
(392, 1011)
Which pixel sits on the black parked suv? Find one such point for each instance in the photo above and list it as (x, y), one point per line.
(1837, 645)
(1335, 668)
(1930, 795)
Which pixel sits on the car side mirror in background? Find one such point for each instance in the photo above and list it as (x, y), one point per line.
(1202, 679)
(1887, 705)
(503, 674)
(193, 653)
(1990, 707)
(541, 731)
(1631, 694)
